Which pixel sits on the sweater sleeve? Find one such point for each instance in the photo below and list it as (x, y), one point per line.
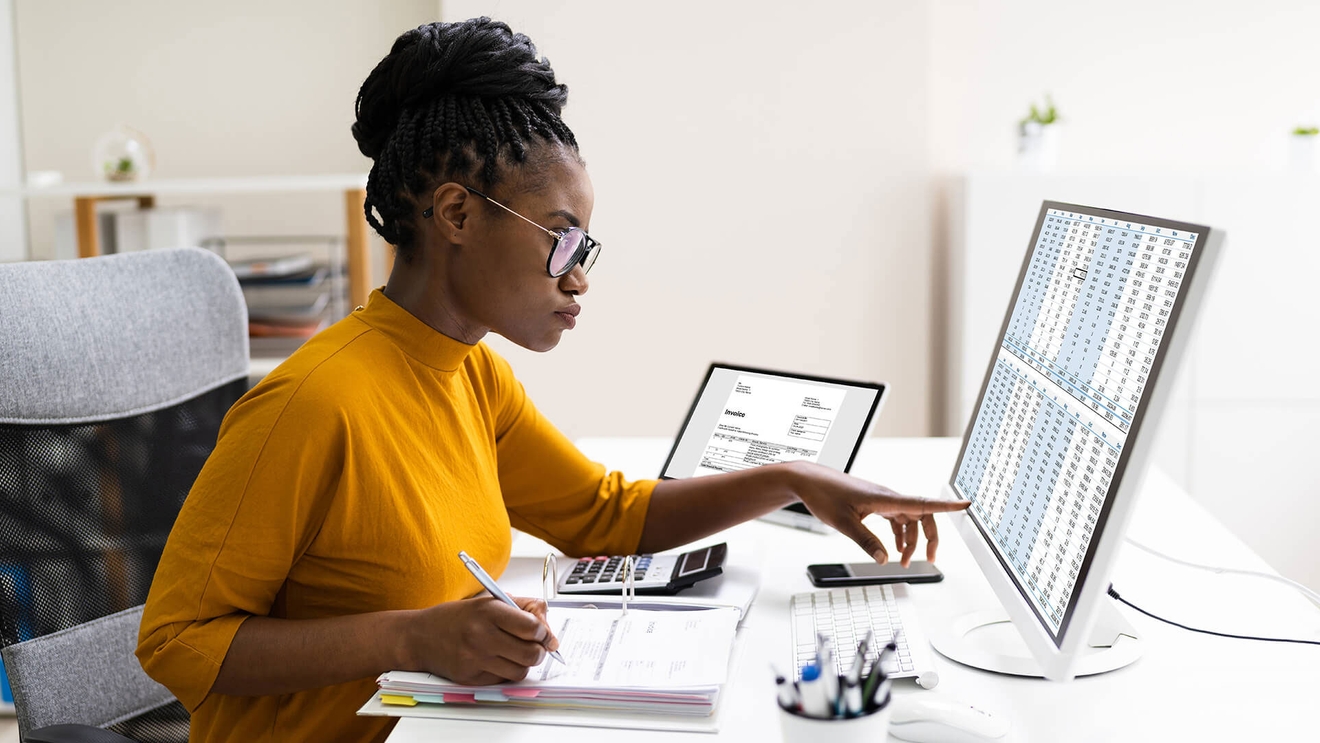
(252, 511)
(552, 491)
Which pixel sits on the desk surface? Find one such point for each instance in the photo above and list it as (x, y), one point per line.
(1187, 686)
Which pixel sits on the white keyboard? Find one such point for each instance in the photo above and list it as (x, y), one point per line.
(845, 614)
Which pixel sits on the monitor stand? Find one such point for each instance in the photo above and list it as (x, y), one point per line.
(988, 640)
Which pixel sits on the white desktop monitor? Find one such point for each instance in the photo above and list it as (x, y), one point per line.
(1059, 440)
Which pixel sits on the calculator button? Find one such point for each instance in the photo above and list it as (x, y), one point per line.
(571, 581)
(589, 579)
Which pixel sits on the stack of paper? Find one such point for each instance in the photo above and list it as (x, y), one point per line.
(656, 662)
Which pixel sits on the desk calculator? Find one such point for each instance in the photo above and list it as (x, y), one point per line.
(655, 575)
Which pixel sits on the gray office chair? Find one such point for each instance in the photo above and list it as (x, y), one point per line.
(115, 373)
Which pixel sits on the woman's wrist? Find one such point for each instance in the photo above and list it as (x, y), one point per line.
(790, 479)
(406, 627)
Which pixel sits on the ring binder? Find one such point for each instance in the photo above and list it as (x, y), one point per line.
(549, 578)
(629, 582)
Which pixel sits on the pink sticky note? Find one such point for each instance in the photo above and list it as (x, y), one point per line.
(451, 697)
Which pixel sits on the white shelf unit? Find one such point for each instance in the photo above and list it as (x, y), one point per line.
(353, 186)
(1244, 424)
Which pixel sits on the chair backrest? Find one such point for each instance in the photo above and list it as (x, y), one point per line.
(115, 373)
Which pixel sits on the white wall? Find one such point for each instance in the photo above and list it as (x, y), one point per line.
(244, 87)
(1182, 109)
(1174, 85)
(760, 176)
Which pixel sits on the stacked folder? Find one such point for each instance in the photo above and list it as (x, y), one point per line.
(652, 662)
(289, 298)
(401, 688)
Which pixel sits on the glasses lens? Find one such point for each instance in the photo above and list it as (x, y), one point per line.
(565, 252)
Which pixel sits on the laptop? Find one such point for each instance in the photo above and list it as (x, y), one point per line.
(744, 417)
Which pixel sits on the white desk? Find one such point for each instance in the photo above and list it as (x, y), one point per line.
(1187, 686)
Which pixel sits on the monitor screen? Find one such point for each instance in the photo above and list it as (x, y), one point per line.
(1063, 398)
(744, 418)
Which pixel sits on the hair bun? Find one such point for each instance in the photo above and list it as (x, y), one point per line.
(478, 58)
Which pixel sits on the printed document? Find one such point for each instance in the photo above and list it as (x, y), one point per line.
(770, 420)
(607, 648)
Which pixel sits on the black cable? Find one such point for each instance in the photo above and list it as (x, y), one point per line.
(1114, 594)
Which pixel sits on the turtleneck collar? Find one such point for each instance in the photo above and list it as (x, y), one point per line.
(414, 337)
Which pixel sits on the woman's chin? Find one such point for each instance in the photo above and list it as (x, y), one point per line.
(540, 343)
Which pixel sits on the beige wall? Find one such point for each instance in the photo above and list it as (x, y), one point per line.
(760, 177)
(243, 87)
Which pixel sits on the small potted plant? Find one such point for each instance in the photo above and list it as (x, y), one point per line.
(1038, 136)
(123, 154)
(1302, 149)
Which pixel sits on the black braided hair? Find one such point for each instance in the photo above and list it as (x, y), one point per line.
(452, 101)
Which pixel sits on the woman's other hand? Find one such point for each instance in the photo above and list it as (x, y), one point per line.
(842, 501)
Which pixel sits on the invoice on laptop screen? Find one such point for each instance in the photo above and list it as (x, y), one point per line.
(745, 418)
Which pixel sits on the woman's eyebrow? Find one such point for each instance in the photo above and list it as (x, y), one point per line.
(573, 220)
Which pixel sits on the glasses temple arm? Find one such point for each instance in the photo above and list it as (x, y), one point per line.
(549, 232)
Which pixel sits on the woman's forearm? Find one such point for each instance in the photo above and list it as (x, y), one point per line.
(281, 656)
(682, 511)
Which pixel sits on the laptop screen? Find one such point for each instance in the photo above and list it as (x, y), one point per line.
(745, 418)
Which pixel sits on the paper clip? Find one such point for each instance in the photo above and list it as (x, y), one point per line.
(549, 578)
(629, 582)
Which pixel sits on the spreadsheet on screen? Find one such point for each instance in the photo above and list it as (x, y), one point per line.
(1065, 390)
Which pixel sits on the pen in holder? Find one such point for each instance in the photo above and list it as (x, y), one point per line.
(845, 708)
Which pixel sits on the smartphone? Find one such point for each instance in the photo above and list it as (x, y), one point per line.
(870, 573)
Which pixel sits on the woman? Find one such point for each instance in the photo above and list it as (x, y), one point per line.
(318, 547)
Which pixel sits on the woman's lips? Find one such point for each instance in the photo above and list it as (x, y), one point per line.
(569, 318)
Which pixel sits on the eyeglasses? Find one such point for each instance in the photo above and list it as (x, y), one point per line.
(571, 247)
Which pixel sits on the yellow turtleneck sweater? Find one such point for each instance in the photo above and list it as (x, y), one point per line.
(346, 482)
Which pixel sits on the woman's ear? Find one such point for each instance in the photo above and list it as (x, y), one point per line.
(450, 209)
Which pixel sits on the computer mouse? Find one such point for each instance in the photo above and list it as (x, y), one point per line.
(933, 718)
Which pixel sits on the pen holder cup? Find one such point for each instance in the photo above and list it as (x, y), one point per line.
(869, 727)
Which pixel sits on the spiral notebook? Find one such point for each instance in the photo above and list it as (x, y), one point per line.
(642, 669)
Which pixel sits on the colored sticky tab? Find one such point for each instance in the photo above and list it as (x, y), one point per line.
(521, 693)
(398, 700)
(429, 698)
(490, 696)
(455, 696)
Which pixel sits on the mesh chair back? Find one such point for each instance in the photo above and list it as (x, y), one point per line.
(115, 373)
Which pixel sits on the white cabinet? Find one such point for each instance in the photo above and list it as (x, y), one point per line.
(1244, 427)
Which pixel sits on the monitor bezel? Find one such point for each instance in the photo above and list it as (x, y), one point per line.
(881, 389)
(1057, 650)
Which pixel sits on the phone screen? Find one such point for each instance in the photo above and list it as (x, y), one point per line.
(891, 570)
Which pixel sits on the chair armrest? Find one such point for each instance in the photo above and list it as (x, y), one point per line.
(73, 734)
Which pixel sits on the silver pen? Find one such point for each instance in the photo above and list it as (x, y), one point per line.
(489, 584)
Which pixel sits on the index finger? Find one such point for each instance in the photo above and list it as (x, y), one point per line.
(913, 505)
